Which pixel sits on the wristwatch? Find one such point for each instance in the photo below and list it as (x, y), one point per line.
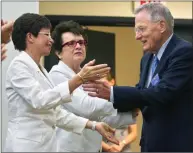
(93, 125)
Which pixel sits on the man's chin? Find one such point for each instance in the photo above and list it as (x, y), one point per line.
(145, 50)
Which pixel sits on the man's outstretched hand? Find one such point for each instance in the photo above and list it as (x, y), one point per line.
(98, 88)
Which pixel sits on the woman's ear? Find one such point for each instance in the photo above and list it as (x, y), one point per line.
(30, 37)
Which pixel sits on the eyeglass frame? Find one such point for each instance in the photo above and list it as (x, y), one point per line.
(141, 30)
(67, 43)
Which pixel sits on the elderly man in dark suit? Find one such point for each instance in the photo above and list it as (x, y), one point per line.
(164, 92)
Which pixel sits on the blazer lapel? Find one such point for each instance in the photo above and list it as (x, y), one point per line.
(165, 54)
(35, 67)
(66, 70)
(48, 80)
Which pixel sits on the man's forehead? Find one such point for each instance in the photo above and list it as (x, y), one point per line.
(143, 15)
(140, 24)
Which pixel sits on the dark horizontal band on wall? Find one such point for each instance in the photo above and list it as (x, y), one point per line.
(108, 21)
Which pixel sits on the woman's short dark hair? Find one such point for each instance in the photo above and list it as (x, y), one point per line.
(66, 26)
(28, 23)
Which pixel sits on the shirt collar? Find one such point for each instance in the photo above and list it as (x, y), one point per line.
(66, 68)
(163, 47)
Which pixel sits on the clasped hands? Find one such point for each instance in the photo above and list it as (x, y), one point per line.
(115, 147)
(98, 88)
(91, 75)
(107, 132)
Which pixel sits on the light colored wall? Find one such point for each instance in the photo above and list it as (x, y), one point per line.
(124, 9)
(86, 8)
(180, 9)
(11, 11)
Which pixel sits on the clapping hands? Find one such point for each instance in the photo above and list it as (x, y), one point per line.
(107, 132)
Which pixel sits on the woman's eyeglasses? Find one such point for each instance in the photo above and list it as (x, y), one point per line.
(73, 43)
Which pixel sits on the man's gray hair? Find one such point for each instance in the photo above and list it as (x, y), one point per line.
(157, 11)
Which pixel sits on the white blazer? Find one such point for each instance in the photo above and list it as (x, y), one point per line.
(92, 108)
(33, 108)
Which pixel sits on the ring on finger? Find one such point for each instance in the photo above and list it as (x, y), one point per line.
(98, 75)
(97, 91)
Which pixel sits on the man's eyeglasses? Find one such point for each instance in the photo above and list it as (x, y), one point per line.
(73, 43)
(140, 30)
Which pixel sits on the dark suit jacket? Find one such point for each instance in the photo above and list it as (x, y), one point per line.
(167, 107)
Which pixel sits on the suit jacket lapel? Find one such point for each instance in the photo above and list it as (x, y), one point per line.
(165, 54)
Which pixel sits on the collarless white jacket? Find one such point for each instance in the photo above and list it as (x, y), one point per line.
(34, 108)
(92, 108)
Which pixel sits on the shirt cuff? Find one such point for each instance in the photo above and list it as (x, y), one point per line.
(111, 95)
(63, 88)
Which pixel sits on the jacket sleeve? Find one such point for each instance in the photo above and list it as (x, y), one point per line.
(70, 122)
(84, 105)
(25, 84)
(176, 79)
(120, 120)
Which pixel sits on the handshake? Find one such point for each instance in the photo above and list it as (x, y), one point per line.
(104, 129)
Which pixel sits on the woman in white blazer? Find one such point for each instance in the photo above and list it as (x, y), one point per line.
(34, 100)
(70, 46)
